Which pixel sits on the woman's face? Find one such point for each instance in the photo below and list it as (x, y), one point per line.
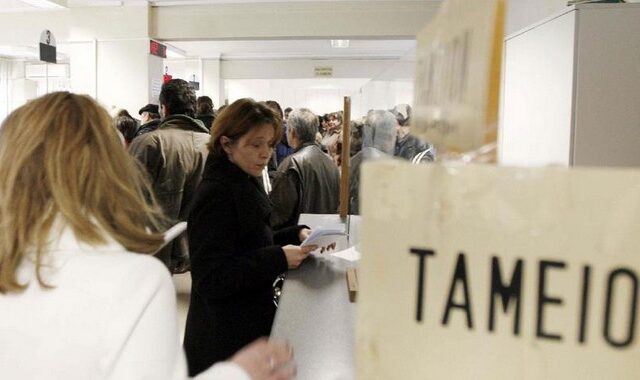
(251, 152)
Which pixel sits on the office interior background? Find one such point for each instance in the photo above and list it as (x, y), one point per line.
(299, 53)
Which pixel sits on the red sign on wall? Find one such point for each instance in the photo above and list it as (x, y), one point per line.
(157, 49)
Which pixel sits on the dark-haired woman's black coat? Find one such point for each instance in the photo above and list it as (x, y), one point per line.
(235, 257)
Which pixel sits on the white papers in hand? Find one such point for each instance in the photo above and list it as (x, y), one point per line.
(323, 236)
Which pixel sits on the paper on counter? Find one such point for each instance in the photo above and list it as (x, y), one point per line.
(350, 254)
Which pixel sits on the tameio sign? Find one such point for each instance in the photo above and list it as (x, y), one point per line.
(483, 272)
(506, 293)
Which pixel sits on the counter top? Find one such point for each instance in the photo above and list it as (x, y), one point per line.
(314, 313)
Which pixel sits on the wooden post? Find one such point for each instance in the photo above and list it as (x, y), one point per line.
(352, 283)
(346, 156)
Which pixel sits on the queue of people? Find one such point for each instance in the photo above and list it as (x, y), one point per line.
(82, 217)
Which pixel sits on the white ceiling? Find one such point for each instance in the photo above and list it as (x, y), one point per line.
(35, 5)
(229, 50)
(294, 49)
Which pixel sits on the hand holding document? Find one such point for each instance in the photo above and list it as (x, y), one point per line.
(323, 237)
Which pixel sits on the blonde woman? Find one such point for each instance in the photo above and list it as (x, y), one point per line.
(75, 302)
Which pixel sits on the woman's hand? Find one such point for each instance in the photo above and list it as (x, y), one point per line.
(303, 234)
(266, 360)
(296, 254)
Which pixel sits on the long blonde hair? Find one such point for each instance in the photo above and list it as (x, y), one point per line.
(60, 158)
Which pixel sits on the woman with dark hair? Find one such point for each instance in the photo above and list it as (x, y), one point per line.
(204, 111)
(127, 126)
(77, 302)
(235, 255)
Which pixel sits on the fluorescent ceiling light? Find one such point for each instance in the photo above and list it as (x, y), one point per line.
(340, 44)
(49, 4)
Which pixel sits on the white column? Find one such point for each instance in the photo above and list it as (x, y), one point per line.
(212, 85)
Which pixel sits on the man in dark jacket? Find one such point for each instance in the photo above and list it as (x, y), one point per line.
(150, 119)
(174, 155)
(307, 181)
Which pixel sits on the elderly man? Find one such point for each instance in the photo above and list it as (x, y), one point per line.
(150, 119)
(308, 180)
(174, 155)
(379, 142)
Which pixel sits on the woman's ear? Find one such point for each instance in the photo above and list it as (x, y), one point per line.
(226, 143)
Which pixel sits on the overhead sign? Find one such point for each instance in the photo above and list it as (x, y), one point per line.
(157, 49)
(323, 71)
(48, 47)
(457, 81)
(483, 272)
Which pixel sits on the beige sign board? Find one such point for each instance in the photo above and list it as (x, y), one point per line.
(323, 71)
(457, 81)
(559, 247)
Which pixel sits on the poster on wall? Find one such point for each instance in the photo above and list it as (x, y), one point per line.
(457, 78)
(490, 273)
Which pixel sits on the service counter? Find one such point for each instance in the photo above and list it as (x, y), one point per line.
(315, 315)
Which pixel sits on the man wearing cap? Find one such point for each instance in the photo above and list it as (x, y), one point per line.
(174, 155)
(150, 119)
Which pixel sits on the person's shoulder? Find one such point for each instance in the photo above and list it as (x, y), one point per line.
(288, 161)
(121, 261)
(117, 272)
(145, 140)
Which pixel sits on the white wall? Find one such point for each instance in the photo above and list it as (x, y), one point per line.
(319, 95)
(107, 47)
(186, 69)
(378, 94)
(123, 73)
(521, 13)
(83, 68)
(212, 84)
(370, 83)
(302, 68)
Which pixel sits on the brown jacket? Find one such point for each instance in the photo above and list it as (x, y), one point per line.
(307, 181)
(174, 155)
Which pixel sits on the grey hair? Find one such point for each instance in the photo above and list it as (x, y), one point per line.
(305, 123)
(380, 131)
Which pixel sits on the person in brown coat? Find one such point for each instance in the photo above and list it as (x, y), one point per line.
(174, 156)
